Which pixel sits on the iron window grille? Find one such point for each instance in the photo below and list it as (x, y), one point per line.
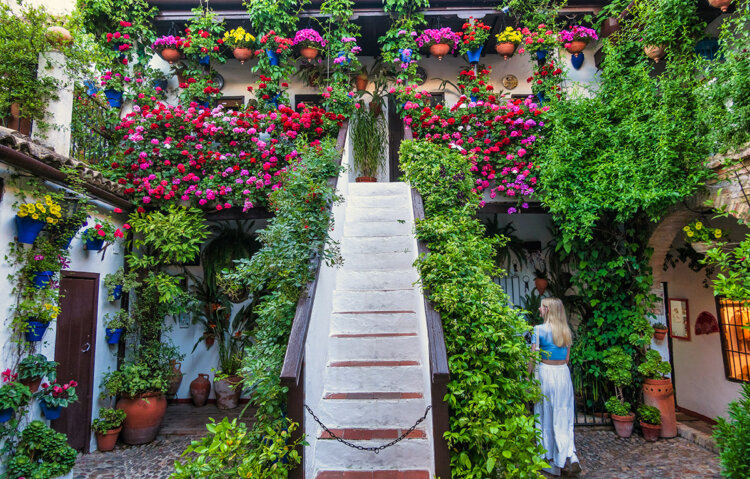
(734, 328)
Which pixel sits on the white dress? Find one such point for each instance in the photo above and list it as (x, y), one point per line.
(555, 412)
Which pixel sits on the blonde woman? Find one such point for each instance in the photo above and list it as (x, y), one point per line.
(555, 411)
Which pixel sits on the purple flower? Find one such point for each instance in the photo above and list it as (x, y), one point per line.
(308, 38)
(38, 257)
(433, 36)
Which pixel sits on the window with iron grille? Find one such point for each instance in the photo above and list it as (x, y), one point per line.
(734, 322)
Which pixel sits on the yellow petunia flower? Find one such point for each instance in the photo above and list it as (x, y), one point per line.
(717, 233)
(30, 207)
(686, 228)
(698, 225)
(35, 216)
(50, 220)
(690, 234)
(41, 208)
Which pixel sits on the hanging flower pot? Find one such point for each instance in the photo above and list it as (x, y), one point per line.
(93, 244)
(209, 339)
(160, 84)
(309, 53)
(660, 334)
(577, 60)
(474, 55)
(170, 55)
(114, 97)
(113, 335)
(35, 330)
(623, 424)
(440, 50)
(342, 58)
(42, 279)
(576, 46)
(242, 54)
(273, 57)
(506, 49)
(473, 98)
(5, 415)
(204, 60)
(28, 229)
(541, 285)
(50, 413)
(376, 108)
(91, 87)
(405, 55)
(723, 5)
(106, 441)
(655, 52)
(32, 384)
(117, 292)
(360, 81)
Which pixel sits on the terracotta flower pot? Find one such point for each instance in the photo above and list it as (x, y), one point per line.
(376, 108)
(655, 52)
(576, 47)
(32, 384)
(227, 397)
(242, 54)
(106, 441)
(170, 55)
(176, 379)
(721, 4)
(309, 53)
(360, 81)
(209, 339)
(541, 285)
(650, 431)
(144, 415)
(440, 50)
(660, 394)
(506, 49)
(199, 390)
(366, 179)
(623, 424)
(660, 334)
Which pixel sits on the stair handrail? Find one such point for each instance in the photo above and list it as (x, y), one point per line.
(438, 354)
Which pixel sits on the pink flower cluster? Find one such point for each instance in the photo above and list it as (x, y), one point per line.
(309, 38)
(577, 33)
(433, 36)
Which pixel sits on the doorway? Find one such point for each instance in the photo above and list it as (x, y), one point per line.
(74, 350)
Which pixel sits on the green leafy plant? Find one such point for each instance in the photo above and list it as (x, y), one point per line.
(14, 395)
(133, 380)
(659, 326)
(619, 371)
(42, 453)
(733, 437)
(35, 366)
(108, 419)
(119, 278)
(617, 407)
(649, 414)
(55, 395)
(121, 319)
(654, 367)
(369, 135)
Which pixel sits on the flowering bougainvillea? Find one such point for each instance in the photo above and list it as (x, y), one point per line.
(211, 158)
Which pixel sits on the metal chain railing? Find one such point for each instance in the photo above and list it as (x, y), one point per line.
(375, 449)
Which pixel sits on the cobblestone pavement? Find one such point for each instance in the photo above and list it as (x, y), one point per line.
(603, 456)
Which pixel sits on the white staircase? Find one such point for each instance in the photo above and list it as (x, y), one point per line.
(376, 380)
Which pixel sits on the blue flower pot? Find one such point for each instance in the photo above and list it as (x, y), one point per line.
(577, 60)
(67, 242)
(160, 84)
(114, 97)
(28, 229)
(35, 331)
(205, 60)
(42, 279)
(540, 97)
(273, 57)
(405, 55)
(113, 335)
(50, 413)
(473, 98)
(346, 59)
(5, 415)
(94, 245)
(474, 55)
(541, 55)
(117, 292)
(91, 87)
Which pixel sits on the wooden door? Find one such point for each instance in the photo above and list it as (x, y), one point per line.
(74, 350)
(395, 137)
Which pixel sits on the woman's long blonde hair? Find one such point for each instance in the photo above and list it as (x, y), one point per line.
(558, 322)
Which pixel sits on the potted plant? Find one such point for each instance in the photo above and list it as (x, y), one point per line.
(201, 40)
(35, 367)
(168, 47)
(507, 42)
(32, 217)
(538, 42)
(650, 420)
(575, 38)
(241, 43)
(723, 5)
(118, 282)
(115, 324)
(41, 453)
(369, 135)
(275, 47)
(37, 314)
(102, 232)
(233, 340)
(43, 262)
(13, 395)
(141, 389)
(658, 390)
(107, 428)
(660, 331)
(618, 371)
(473, 38)
(114, 83)
(440, 41)
(703, 238)
(53, 397)
(309, 43)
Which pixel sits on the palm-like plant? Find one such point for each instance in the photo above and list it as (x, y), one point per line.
(369, 135)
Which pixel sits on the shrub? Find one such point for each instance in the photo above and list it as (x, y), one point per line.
(733, 437)
(41, 454)
(133, 380)
(654, 367)
(616, 407)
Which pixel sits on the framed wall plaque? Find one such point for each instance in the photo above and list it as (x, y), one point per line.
(679, 319)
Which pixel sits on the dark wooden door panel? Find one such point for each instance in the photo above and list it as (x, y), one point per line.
(74, 350)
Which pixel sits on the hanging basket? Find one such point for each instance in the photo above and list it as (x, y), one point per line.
(723, 5)
(474, 55)
(114, 97)
(440, 50)
(42, 279)
(50, 413)
(35, 330)
(170, 55)
(28, 229)
(272, 57)
(575, 47)
(309, 53)
(655, 52)
(242, 54)
(113, 335)
(506, 49)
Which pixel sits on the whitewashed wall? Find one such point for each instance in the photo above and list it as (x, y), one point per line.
(80, 261)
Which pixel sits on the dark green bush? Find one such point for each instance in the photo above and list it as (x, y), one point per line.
(733, 438)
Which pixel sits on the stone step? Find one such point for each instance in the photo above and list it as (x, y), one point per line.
(380, 348)
(388, 414)
(377, 261)
(359, 323)
(347, 280)
(383, 244)
(405, 455)
(378, 189)
(363, 300)
(355, 213)
(382, 474)
(374, 378)
(378, 229)
(380, 201)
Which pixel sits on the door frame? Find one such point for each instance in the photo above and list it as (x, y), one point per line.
(89, 406)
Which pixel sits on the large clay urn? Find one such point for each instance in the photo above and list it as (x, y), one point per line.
(176, 379)
(199, 390)
(655, 52)
(440, 50)
(106, 441)
(144, 415)
(227, 397)
(721, 4)
(623, 424)
(170, 55)
(309, 53)
(506, 49)
(242, 54)
(660, 394)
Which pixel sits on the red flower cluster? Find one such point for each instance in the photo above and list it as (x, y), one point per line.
(474, 34)
(271, 41)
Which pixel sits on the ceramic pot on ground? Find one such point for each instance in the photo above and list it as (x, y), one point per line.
(576, 47)
(541, 285)
(227, 397)
(655, 52)
(242, 54)
(660, 334)
(360, 81)
(144, 415)
(720, 4)
(309, 53)
(170, 55)
(106, 441)
(176, 379)
(650, 431)
(623, 424)
(366, 179)
(440, 50)
(199, 390)
(660, 394)
(506, 49)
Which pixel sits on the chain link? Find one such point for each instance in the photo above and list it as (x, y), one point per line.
(375, 449)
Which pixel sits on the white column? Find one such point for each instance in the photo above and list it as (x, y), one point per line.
(56, 133)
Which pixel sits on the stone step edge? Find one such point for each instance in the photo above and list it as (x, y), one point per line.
(363, 434)
(381, 474)
(371, 364)
(373, 395)
(372, 335)
(374, 312)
